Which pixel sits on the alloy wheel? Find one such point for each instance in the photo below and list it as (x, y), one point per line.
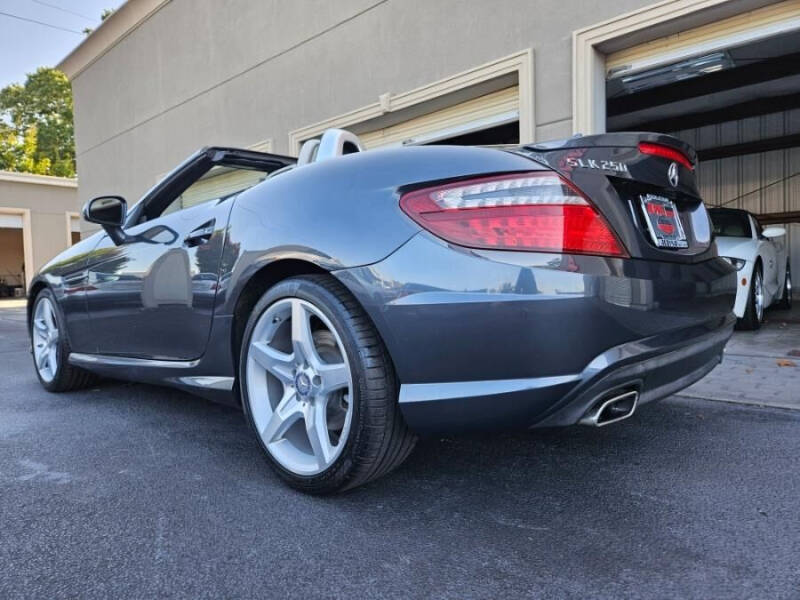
(300, 384)
(45, 339)
(758, 291)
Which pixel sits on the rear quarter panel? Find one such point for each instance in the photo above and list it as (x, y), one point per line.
(343, 212)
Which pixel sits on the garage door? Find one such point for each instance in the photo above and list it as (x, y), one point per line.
(218, 183)
(10, 221)
(762, 23)
(491, 110)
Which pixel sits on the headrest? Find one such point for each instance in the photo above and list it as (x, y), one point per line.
(333, 143)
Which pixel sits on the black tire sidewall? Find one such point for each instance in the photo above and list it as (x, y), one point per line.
(336, 475)
(787, 296)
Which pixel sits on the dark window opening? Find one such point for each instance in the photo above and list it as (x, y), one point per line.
(501, 134)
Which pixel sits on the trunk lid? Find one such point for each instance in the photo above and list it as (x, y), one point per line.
(643, 185)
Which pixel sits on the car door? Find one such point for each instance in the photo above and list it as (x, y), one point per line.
(153, 295)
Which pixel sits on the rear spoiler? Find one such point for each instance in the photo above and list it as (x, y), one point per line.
(627, 139)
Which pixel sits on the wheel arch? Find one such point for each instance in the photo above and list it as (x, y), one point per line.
(758, 264)
(263, 279)
(258, 283)
(36, 288)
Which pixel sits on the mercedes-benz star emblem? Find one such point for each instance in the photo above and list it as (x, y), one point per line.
(302, 384)
(672, 175)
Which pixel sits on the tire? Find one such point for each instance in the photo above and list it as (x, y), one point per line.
(786, 299)
(50, 348)
(753, 317)
(317, 440)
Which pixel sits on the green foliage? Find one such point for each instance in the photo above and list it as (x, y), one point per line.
(36, 130)
(107, 12)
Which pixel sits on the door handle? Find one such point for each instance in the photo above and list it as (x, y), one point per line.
(201, 235)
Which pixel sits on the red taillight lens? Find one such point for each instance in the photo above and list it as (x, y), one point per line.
(666, 152)
(529, 211)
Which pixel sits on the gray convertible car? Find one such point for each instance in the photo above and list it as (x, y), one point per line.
(350, 301)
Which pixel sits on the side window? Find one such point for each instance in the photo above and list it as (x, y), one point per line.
(217, 183)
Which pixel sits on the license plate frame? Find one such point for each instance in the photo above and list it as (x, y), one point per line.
(663, 222)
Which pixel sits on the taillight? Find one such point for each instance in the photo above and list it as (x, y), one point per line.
(537, 211)
(666, 152)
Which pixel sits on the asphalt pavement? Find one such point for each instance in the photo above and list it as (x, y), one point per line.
(131, 491)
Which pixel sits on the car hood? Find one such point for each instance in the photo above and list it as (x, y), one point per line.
(735, 247)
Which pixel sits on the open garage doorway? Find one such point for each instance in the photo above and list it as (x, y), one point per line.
(738, 105)
(73, 228)
(12, 258)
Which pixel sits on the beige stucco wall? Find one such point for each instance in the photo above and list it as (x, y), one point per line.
(47, 200)
(200, 72)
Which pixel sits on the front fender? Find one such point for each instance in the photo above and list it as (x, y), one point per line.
(743, 290)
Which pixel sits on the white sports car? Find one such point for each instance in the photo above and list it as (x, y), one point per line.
(760, 257)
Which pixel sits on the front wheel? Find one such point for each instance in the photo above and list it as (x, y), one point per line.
(319, 389)
(754, 313)
(786, 300)
(51, 348)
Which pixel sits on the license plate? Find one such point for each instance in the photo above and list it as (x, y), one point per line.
(663, 221)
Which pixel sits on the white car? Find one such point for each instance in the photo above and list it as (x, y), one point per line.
(765, 277)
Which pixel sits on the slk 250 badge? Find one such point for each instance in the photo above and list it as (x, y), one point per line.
(602, 165)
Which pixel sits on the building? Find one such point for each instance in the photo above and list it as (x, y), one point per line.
(38, 219)
(161, 78)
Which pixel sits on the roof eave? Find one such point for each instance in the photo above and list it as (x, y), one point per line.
(108, 34)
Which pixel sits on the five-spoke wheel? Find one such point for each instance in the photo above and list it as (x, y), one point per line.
(319, 389)
(298, 367)
(45, 339)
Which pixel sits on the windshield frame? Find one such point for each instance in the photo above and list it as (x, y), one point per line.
(732, 218)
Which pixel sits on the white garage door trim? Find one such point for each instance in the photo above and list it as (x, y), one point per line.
(520, 64)
(73, 222)
(490, 110)
(11, 221)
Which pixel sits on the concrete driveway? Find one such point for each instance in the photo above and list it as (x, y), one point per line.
(130, 491)
(761, 367)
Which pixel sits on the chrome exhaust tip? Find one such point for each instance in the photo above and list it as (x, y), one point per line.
(611, 409)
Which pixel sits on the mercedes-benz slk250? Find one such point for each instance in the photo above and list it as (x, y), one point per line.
(350, 300)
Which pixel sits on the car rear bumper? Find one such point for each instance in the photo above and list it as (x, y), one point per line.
(489, 340)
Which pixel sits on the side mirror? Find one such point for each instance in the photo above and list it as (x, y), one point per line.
(110, 212)
(773, 232)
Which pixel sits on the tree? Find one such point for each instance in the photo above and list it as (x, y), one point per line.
(36, 130)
